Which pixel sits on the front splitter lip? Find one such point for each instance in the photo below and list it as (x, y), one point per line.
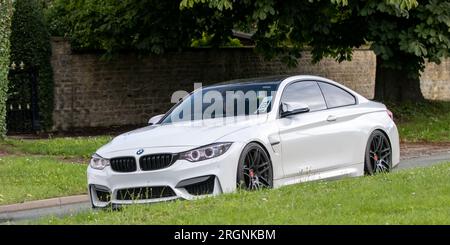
(180, 194)
(223, 168)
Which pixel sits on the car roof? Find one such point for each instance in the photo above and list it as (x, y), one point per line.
(255, 80)
(279, 79)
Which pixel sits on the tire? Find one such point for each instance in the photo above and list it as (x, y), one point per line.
(378, 155)
(254, 168)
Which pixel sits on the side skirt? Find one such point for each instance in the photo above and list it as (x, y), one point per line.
(332, 174)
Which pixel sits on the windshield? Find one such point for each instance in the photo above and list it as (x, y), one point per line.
(224, 101)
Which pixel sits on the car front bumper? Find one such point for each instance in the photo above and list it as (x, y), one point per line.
(182, 179)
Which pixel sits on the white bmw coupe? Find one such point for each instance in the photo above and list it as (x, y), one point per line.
(250, 134)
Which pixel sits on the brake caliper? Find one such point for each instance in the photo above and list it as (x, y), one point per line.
(251, 173)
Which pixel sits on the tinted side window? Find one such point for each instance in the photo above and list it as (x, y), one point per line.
(335, 96)
(305, 92)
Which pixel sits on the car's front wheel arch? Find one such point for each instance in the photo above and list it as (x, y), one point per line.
(248, 170)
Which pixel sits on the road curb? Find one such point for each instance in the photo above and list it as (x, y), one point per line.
(46, 203)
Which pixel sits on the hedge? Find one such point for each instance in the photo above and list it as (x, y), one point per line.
(30, 43)
(6, 10)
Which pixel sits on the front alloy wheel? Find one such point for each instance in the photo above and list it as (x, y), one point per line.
(378, 154)
(254, 168)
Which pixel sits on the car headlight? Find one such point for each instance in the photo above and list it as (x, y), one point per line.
(98, 162)
(205, 152)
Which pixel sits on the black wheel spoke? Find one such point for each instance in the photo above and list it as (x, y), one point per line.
(257, 157)
(264, 170)
(247, 162)
(379, 154)
(252, 159)
(382, 167)
(264, 164)
(264, 180)
(256, 169)
(385, 150)
(385, 156)
(374, 144)
(380, 144)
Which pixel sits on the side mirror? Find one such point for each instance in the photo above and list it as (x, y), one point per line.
(155, 119)
(292, 108)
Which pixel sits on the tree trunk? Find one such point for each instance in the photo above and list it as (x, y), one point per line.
(396, 85)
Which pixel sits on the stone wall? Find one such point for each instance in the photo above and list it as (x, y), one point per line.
(91, 92)
(435, 81)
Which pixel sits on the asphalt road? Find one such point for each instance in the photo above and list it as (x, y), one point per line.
(424, 161)
(13, 218)
(59, 211)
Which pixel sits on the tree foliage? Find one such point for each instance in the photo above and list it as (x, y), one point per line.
(30, 44)
(146, 26)
(404, 34)
(6, 10)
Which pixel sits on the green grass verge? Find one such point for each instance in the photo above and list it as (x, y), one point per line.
(417, 196)
(68, 147)
(32, 178)
(423, 121)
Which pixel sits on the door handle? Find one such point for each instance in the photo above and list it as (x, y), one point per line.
(331, 118)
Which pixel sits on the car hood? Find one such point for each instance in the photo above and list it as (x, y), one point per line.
(180, 134)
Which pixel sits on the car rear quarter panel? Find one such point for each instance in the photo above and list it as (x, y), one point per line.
(377, 119)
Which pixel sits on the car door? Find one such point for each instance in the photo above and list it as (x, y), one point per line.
(343, 138)
(304, 136)
(323, 138)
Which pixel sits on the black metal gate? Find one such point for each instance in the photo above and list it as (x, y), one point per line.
(22, 112)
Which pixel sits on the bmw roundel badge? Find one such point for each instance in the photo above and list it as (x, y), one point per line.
(140, 151)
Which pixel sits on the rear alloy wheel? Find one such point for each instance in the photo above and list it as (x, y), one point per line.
(378, 154)
(254, 169)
